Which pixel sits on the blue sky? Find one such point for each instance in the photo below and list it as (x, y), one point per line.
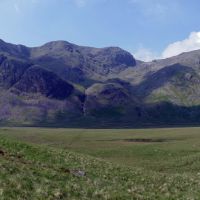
(147, 28)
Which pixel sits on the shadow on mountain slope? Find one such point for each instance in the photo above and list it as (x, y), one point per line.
(165, 75)
(155, 115)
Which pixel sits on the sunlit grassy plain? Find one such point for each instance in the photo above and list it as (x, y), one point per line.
(119, 163)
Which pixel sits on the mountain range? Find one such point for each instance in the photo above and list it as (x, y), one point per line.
(66, 85)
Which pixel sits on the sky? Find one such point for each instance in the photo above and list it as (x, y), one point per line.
(149, 29)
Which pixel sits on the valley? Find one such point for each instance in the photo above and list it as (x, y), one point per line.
(160, 163)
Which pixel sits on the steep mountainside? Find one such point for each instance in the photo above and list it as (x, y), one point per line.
(38, 80)
(64, 84)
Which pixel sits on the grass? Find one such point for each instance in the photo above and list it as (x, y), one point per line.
(119, 164)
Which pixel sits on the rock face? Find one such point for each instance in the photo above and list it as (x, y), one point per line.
(64, 84)
(91, 64)
(11, 71)
(38, 80)
(106, 95)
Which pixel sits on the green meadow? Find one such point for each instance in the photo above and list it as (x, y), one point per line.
(41, 163)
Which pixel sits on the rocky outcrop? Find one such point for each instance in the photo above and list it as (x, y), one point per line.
(11, 71)
(106, 95)
(38, 80)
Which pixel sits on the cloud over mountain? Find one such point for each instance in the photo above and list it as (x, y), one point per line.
(192, 42)
(186, 45)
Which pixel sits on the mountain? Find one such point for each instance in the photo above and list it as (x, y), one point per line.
(63, 84)
(38, 80)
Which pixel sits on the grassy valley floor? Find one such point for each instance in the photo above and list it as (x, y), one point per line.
(39, 163)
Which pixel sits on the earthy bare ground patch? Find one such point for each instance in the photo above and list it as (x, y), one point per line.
(145, 140)
(138, 140)
(2, 153)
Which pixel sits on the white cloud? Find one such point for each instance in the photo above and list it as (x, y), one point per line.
(16, 7)
(80, 3)
(83, 3)
(145, 54)
(189, 44)
(19, 5)
(155, 8)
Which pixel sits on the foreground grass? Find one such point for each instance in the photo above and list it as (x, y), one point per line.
(37, 163)
(32, 172)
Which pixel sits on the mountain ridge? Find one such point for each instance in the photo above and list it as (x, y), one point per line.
(70, 85)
